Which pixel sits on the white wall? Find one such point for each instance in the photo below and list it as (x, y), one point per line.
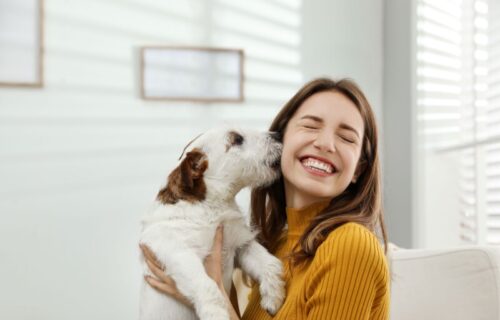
(441, 195)
(82, 158)
(401, 172)
(345, 39)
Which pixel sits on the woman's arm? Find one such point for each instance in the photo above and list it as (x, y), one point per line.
(349, 277)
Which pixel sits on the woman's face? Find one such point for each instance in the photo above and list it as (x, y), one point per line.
(321, 148)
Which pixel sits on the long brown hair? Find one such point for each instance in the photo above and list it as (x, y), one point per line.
(361, 202)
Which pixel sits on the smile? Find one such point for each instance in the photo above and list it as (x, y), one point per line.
(317, 165)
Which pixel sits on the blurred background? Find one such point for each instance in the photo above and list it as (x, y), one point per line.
(82, 155)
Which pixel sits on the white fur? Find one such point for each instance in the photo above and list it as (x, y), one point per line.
(181, 235)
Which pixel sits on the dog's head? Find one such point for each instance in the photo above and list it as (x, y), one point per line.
(221, 162)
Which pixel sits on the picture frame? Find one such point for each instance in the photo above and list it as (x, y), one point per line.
(194, 74)
(21, 43)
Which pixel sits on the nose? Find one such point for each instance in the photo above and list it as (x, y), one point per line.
(276, 136)
(325, 141)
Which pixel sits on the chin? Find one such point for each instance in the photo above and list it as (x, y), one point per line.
(319, 193)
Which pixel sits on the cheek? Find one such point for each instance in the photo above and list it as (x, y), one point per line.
(293, 141)
(286, 158)
(350, 160)
(287, 152)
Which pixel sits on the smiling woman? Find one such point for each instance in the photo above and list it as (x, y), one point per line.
(321, 217)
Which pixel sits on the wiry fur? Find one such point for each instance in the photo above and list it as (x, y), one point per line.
(198, 197)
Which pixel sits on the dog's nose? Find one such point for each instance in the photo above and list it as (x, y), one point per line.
(275, 136)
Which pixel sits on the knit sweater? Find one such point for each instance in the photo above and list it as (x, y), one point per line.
(348, 277)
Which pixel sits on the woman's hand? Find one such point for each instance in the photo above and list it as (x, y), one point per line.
(165, 284)
(162, 282)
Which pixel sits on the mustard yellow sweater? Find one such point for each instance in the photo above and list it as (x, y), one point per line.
(348, 278)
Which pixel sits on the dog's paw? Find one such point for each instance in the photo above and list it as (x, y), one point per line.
(272, 289)
(272, 301)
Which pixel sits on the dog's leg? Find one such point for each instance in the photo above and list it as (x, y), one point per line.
(267, 270)
(188, 272)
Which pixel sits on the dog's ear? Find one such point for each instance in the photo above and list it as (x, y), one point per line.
(186, 181)
(192, 168)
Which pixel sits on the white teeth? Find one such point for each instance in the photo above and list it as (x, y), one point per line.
(319, 165)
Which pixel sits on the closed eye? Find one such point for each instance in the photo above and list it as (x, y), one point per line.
(347, 139)
(310, 127)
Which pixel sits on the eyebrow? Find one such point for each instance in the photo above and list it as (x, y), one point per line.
(342, 125)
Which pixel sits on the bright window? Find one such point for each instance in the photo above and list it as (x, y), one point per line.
(458, 103)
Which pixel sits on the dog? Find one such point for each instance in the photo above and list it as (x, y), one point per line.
(199, 196)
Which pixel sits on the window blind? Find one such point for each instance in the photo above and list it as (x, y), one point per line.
(492, 121)
(458, 103)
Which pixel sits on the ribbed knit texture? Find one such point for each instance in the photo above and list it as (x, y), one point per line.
(348, 278)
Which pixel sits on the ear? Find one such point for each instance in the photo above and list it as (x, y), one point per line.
(192, 168)
(186, 181)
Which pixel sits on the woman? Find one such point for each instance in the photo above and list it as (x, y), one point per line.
(321, 217)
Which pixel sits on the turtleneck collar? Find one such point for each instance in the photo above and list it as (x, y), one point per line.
(299, 219)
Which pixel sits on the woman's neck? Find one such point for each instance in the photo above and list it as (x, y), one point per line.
(299, 201)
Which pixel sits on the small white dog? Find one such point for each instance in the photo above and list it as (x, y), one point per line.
(200, 195)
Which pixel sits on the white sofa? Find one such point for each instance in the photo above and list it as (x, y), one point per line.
(459, 284)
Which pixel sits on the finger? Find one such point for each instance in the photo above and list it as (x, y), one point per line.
(165, 288)
(160, 286)
(149, 255)
(160, 274)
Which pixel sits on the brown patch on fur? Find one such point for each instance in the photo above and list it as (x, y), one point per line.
(186, 181)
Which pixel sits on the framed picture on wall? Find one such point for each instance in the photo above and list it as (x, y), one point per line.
(21, 43)
(192, 74)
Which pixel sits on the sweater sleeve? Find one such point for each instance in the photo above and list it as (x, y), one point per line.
(349, 277)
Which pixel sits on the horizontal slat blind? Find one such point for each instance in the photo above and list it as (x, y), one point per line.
(492, 152)
(439, 75)
(458, 87)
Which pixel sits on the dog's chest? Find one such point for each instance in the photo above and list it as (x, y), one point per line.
(194, 226)
(236, 234)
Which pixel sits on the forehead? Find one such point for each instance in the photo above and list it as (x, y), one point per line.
(333, 108)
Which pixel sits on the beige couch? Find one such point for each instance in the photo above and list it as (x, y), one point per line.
(459, 283)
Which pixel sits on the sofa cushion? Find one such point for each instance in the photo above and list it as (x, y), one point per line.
(461, 283)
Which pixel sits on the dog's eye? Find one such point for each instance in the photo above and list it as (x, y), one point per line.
(236, 139)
